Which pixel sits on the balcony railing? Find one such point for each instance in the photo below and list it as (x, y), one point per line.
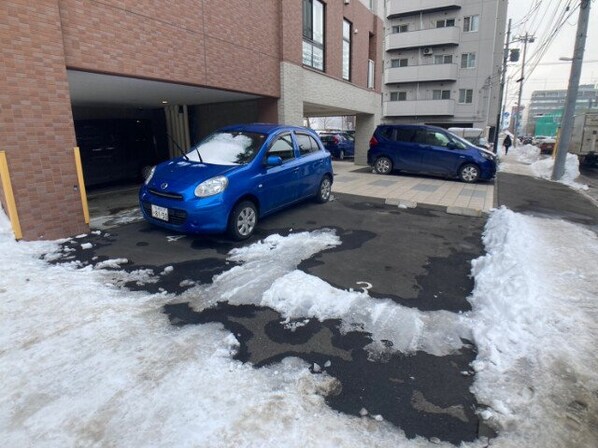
(399, 8)
(423, 38)
(421, 73)
(419, 108)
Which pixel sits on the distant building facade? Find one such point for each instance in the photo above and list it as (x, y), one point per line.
(551, 103)
(442, 61)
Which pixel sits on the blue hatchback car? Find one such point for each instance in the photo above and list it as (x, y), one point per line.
(339, 144)
(429, 150)
(235, 176)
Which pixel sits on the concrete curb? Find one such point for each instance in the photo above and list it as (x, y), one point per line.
(464, 211)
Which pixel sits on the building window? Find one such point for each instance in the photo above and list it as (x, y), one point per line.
(394, 63)
(398, 96)
(444, 23)
(346, 50)
(371, 73)
(400, 29)
(443, 59)
(465, 96)
(313, 34)
(441, 94)
(468, 60)
(471, 24)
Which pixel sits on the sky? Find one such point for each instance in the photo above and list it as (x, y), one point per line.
(550, 73)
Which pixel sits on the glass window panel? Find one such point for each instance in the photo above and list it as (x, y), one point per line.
(346, 30)
(318, 58)
(346, 59)
(307, 53)
(318, 17)
(307, 19)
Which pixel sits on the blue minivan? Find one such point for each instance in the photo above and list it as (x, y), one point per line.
(429, 150)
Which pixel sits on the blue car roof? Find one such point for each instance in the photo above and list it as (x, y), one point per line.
(416, 126)
(263, 128)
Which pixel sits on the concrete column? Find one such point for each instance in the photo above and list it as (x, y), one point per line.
(365, 125)
(290, 104)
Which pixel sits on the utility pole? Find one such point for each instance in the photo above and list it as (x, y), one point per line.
(501, 91)
(527, 38)
(571, 99)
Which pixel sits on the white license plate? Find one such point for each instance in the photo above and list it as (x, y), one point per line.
(159, 212)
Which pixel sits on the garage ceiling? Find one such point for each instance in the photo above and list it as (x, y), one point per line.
(94, 89)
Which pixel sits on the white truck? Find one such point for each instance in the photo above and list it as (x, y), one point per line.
(584, 138)
(475, 136)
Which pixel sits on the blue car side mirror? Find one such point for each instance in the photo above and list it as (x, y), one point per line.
(273, 161)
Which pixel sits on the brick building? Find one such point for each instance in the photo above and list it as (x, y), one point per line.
(129, 81)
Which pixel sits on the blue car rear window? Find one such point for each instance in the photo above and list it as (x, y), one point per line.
(227, 148)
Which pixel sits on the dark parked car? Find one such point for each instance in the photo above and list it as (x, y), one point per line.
(340, 144)
(429, 150)
(235, 176)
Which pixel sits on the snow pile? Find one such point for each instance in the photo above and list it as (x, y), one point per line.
(543, 169)
(526, 153)
(535, 319)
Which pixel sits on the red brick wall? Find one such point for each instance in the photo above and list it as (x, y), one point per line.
(228, 45)
(36, 125)
(362, 19)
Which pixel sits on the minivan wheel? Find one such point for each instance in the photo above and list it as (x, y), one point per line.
(383, 165)
(242, 221)
(469, 173)
(324, 191)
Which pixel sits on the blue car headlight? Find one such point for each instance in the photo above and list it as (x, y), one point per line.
(485, 155)
(211, 187)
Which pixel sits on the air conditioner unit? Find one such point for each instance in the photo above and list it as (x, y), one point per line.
(427, 52)
(347, 2)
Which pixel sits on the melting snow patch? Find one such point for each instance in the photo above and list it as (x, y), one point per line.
(114, 263)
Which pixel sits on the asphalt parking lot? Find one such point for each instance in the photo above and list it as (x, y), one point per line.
(419, 258)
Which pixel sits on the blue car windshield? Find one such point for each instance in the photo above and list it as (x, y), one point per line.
(227, 148)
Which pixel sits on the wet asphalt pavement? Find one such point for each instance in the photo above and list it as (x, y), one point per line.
(418, 258)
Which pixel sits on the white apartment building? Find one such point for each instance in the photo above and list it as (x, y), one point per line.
(442, 61)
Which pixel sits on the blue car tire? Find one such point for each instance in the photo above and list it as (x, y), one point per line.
(323, 194)
(242, 221)
(383, 165)
(469, 173)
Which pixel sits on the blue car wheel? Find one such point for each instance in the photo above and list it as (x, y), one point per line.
(324, 191)
(469, 173)
(243, 220)
(383, 165)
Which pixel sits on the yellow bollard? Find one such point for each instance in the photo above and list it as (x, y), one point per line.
(81, 184)
(10, 197)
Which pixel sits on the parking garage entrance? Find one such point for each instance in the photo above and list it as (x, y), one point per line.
(124, 125)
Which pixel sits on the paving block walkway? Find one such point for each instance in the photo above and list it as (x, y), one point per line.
(409, 190)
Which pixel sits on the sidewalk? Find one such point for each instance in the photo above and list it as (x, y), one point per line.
(408, 191)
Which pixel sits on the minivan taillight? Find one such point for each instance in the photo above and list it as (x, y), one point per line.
(373, 141)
